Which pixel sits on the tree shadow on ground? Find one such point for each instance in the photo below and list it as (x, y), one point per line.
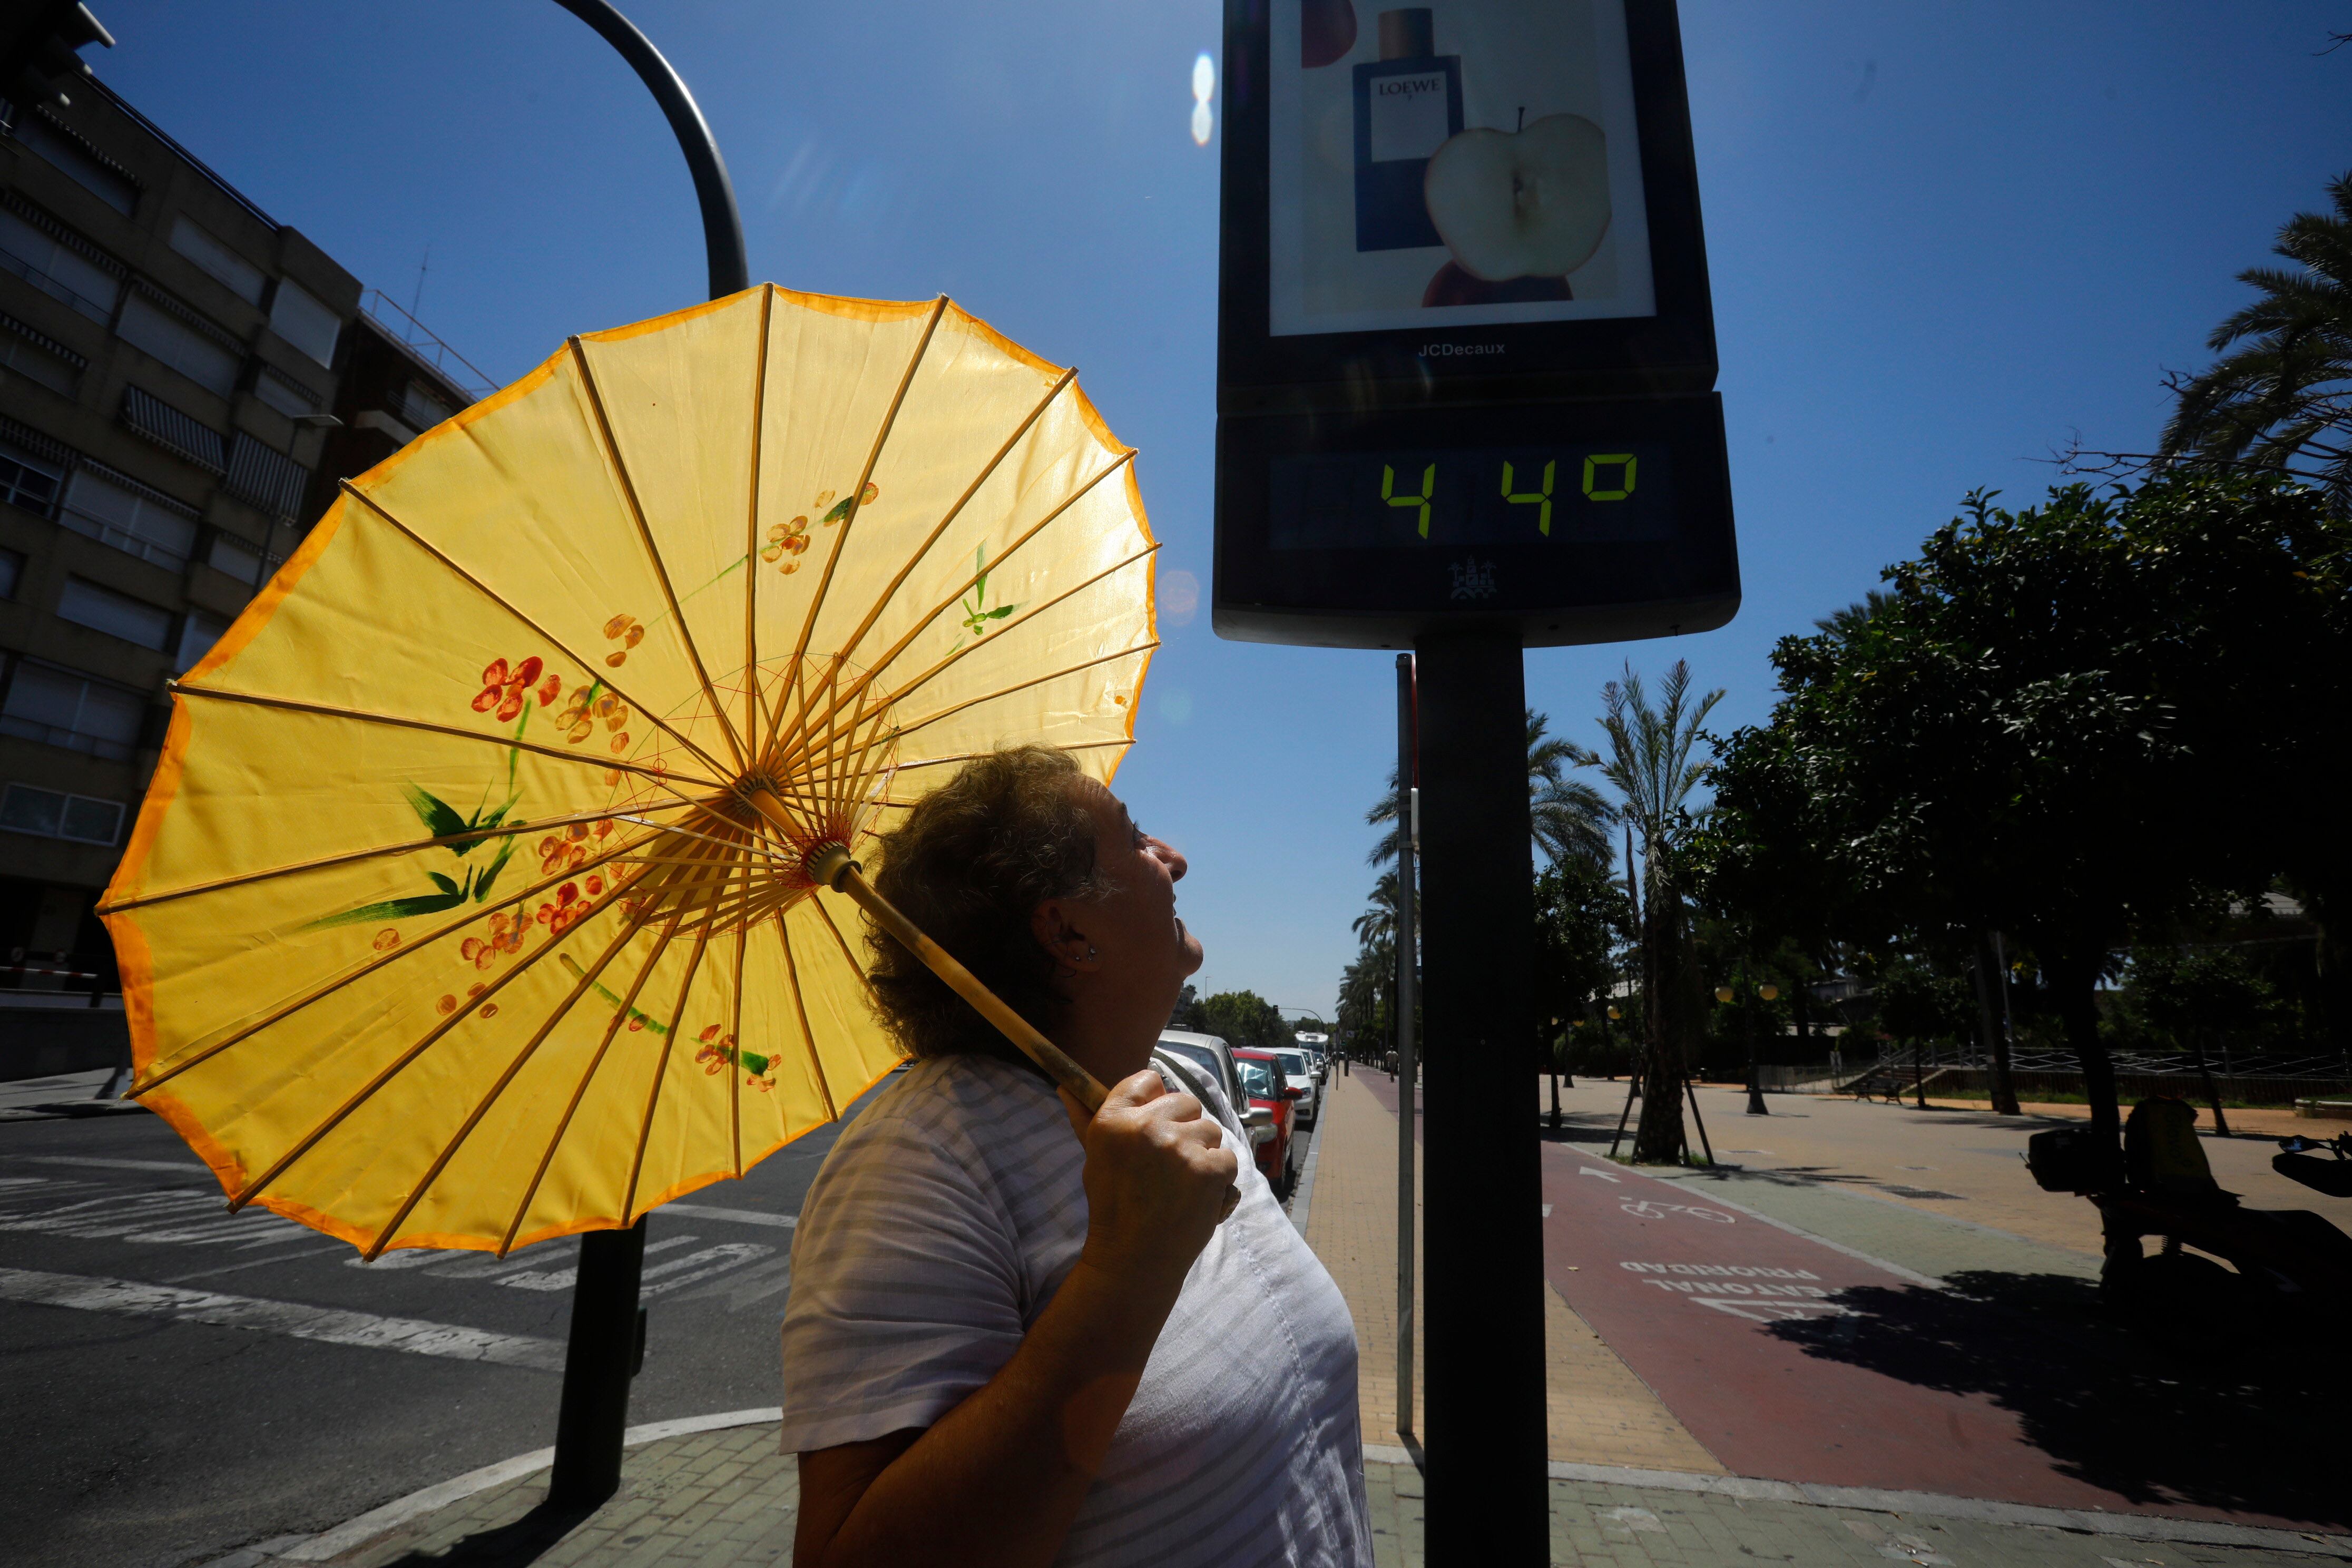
(2208, 1401)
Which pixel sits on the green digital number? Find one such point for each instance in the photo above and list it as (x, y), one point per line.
(1610, 459)
(1428, 488)
(1542, 496)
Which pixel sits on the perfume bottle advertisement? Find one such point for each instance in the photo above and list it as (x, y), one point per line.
(1460, 163)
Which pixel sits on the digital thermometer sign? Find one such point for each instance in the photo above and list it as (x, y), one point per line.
(1414, 499)
(1465, 346)
(1571, 522)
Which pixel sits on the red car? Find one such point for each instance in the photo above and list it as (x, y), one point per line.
(1262, 1080)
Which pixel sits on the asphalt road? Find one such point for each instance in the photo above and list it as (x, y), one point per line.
(179, 1382)
(162, 1427)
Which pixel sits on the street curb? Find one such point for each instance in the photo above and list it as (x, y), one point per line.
(1937, 1505)
(1305, 1195)
(353, 1534)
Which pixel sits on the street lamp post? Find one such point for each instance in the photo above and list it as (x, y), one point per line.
(608, 1325)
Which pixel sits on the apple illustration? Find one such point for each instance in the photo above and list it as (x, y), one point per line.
(1524, 204)
(1327, 31)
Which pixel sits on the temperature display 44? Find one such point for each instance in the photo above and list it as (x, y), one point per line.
(1586, 494)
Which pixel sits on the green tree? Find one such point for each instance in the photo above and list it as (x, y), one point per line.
(1581, 918)
(1917, 1004)
(1571, 817)
(2280, 398)
(2072, 721)
(1652, 762)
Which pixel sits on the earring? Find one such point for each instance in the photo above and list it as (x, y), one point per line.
(1090, 953)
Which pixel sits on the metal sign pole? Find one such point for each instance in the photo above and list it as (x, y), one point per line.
(1408, 1095)
(1488, 1490)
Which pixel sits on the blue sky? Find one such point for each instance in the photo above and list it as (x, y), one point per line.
(1944, 239)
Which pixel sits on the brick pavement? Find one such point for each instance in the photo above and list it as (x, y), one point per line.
(1631, 1488)
(1600, 1413)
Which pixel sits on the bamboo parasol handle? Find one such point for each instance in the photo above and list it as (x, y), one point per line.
(832, 866)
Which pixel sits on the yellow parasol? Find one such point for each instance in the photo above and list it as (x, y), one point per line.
(495, 881)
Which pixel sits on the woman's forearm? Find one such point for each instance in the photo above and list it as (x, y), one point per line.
(996, 1482)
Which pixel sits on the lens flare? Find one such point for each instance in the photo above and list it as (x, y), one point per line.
(1204, 88)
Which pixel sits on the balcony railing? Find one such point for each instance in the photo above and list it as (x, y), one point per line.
(419, 340)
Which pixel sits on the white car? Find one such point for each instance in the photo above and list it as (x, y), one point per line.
(1299, 1073)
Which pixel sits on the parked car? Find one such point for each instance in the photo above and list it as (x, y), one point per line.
(1263, 1080)
(1300, 1073)
(1214, 1057)
(1209, 1052)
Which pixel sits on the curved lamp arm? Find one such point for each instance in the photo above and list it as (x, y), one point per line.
(722, 225)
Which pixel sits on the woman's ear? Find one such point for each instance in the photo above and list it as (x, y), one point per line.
(1052, 925)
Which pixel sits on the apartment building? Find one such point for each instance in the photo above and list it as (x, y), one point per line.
(183, 381)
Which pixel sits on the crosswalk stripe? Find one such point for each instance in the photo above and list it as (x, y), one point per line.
(331, 1325)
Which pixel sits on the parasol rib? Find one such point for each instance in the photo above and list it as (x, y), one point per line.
(752, 701)
(858, 493)
(449, 1151)
(819, 1079)
(488, 993)
(855, 968)
(891, 590)
(645, 533)
(954, 709)
(580, 1091)
(363, 716)
(869, 675)
(447, 841)
(968, 756)
(554, 641)
(329, 987)
(661, 1072)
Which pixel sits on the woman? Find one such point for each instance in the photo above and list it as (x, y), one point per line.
(1019, 1335)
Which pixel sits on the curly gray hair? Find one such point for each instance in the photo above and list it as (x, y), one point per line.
(969, 866)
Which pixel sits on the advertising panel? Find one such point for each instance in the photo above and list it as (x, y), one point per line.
(1461, 163)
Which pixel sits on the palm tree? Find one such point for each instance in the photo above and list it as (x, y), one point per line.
(2282, 402)
(1570, 819)
(1378, 923)
(1844, 623)
(1650, 761)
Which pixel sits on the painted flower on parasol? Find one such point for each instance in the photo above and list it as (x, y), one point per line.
(496, 879)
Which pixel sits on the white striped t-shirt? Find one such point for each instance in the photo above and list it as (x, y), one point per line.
(939, 1229)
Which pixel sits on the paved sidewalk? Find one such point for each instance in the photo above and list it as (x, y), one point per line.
(1631, 1487)
(728, 1499)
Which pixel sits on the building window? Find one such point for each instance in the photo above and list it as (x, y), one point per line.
(261, 474)
(197, 635)
(36, 356)
(202, 358)
(12, 572)
(102, 609)
(84, 165)
(236, 557)
(303, 320)
(52, 814)
(234, 273)
(65, 707)
(26, 481)
(287, 396)
(175, 430)
(56, 269)
(421, 408)
(131, 518)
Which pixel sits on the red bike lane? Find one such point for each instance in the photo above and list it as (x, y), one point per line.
(1689, 1292)
(1791, 1360)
